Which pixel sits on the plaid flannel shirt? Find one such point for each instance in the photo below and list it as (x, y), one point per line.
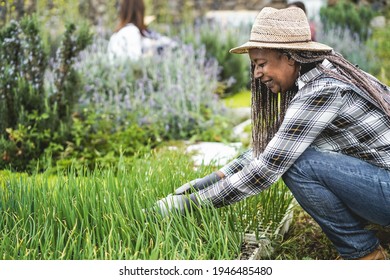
(325, 113)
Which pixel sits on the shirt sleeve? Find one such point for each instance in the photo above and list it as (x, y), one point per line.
(238, 163)
(309, 113)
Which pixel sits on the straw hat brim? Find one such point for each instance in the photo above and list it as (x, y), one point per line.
(303, 46)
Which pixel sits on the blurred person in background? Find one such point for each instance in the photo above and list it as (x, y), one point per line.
(132, 38)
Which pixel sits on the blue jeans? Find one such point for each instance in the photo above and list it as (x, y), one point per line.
(342, 194)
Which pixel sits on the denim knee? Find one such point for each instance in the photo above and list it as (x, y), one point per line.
(342, 194)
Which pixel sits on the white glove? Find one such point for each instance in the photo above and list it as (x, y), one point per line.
(187, 187)
(199, 183)
(172, 202)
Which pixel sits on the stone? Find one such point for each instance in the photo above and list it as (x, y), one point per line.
(213, 153)
(378, 22)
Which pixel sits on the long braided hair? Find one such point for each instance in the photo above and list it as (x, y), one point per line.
(268, 109)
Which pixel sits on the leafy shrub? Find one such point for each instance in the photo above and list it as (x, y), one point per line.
(380, 43)
(33, 116)
(218, 40)
(127, 107)
(348, 17)
(22, 109)
(92, 109)
(23, 62)
(341, 41)
(173, 92)
(65, 83)
(96, 142)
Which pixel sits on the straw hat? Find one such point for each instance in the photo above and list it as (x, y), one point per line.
(281, 29)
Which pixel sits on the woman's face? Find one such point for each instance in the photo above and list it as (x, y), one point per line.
(274, 69)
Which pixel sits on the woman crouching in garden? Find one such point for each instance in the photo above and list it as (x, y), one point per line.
(319, 123)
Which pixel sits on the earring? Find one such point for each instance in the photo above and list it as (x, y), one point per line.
(299, 75)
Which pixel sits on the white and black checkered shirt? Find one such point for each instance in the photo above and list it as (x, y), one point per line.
(325, 113)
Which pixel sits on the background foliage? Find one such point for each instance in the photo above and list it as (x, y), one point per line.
(90, 109)
(345, 25)
(349, 17)
(218, 39)
(95, 110)
(34, 118)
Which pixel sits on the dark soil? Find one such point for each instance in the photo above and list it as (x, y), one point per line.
(247, 250)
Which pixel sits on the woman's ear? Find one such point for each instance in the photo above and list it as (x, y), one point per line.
(291, 61)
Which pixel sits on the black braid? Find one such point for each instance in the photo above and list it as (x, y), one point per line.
(268, 111)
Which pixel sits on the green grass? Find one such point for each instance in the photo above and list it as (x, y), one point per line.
(82, 214)
(238, 100)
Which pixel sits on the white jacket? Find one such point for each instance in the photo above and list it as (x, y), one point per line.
(128, 42)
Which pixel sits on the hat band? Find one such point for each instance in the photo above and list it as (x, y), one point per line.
(282, 42)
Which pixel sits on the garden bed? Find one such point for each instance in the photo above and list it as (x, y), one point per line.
(81, 214)
(254, 247)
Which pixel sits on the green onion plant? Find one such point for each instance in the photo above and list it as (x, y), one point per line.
(82, 214)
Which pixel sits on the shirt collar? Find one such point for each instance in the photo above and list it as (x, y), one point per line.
(313, 73)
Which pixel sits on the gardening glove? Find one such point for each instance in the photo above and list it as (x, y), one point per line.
(180, 203)
(198, 184)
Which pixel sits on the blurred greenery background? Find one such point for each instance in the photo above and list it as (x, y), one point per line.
(62, 101)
